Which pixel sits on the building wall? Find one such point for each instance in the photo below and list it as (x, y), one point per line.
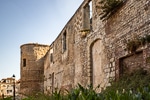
(7, 87)
(96, 56)
(88, 50)
(128, 22)
(32, 68)
(46, 73)
(66, 55)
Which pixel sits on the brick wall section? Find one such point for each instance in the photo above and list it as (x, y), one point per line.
(124, 25)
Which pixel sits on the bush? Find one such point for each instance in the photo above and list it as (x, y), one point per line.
(133, 86)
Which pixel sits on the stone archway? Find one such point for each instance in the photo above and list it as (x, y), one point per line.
(96, 72)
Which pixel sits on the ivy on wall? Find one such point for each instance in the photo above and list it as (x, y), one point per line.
(109, 7)
(134, 44)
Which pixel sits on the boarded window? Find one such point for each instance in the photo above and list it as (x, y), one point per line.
(130, 63)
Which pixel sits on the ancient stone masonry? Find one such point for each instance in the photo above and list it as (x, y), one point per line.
(32, 72)
(90, 50)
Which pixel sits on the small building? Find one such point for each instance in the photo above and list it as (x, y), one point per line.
(7, 87)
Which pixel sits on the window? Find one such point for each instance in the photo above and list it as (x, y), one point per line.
(9, 91)
(87, 16)
(7, 81)
(24, 62)
(64, 39)
(51, 57)
(90, 4)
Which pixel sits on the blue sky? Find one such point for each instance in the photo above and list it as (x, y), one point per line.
(29, 21)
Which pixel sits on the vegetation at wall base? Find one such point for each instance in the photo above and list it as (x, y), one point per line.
(7, 98)
(131, 86)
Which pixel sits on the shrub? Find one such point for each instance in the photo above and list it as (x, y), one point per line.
(135, 43)
(132, 86)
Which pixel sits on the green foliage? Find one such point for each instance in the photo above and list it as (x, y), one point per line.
(109, 7)
(38, 96)
(131, 81)
(88, 93)
(134, 44)
(7, 98)
(74, 94)
(132, 86)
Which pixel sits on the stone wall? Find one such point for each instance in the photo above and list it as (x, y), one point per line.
(68, 67)
(89, 50)
(96, 54)
(128, 22)
(32, 70)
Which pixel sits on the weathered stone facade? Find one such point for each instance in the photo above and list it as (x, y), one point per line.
(89, 50)
(32, 72)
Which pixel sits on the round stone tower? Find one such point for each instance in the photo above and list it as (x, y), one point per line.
(32, 68)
